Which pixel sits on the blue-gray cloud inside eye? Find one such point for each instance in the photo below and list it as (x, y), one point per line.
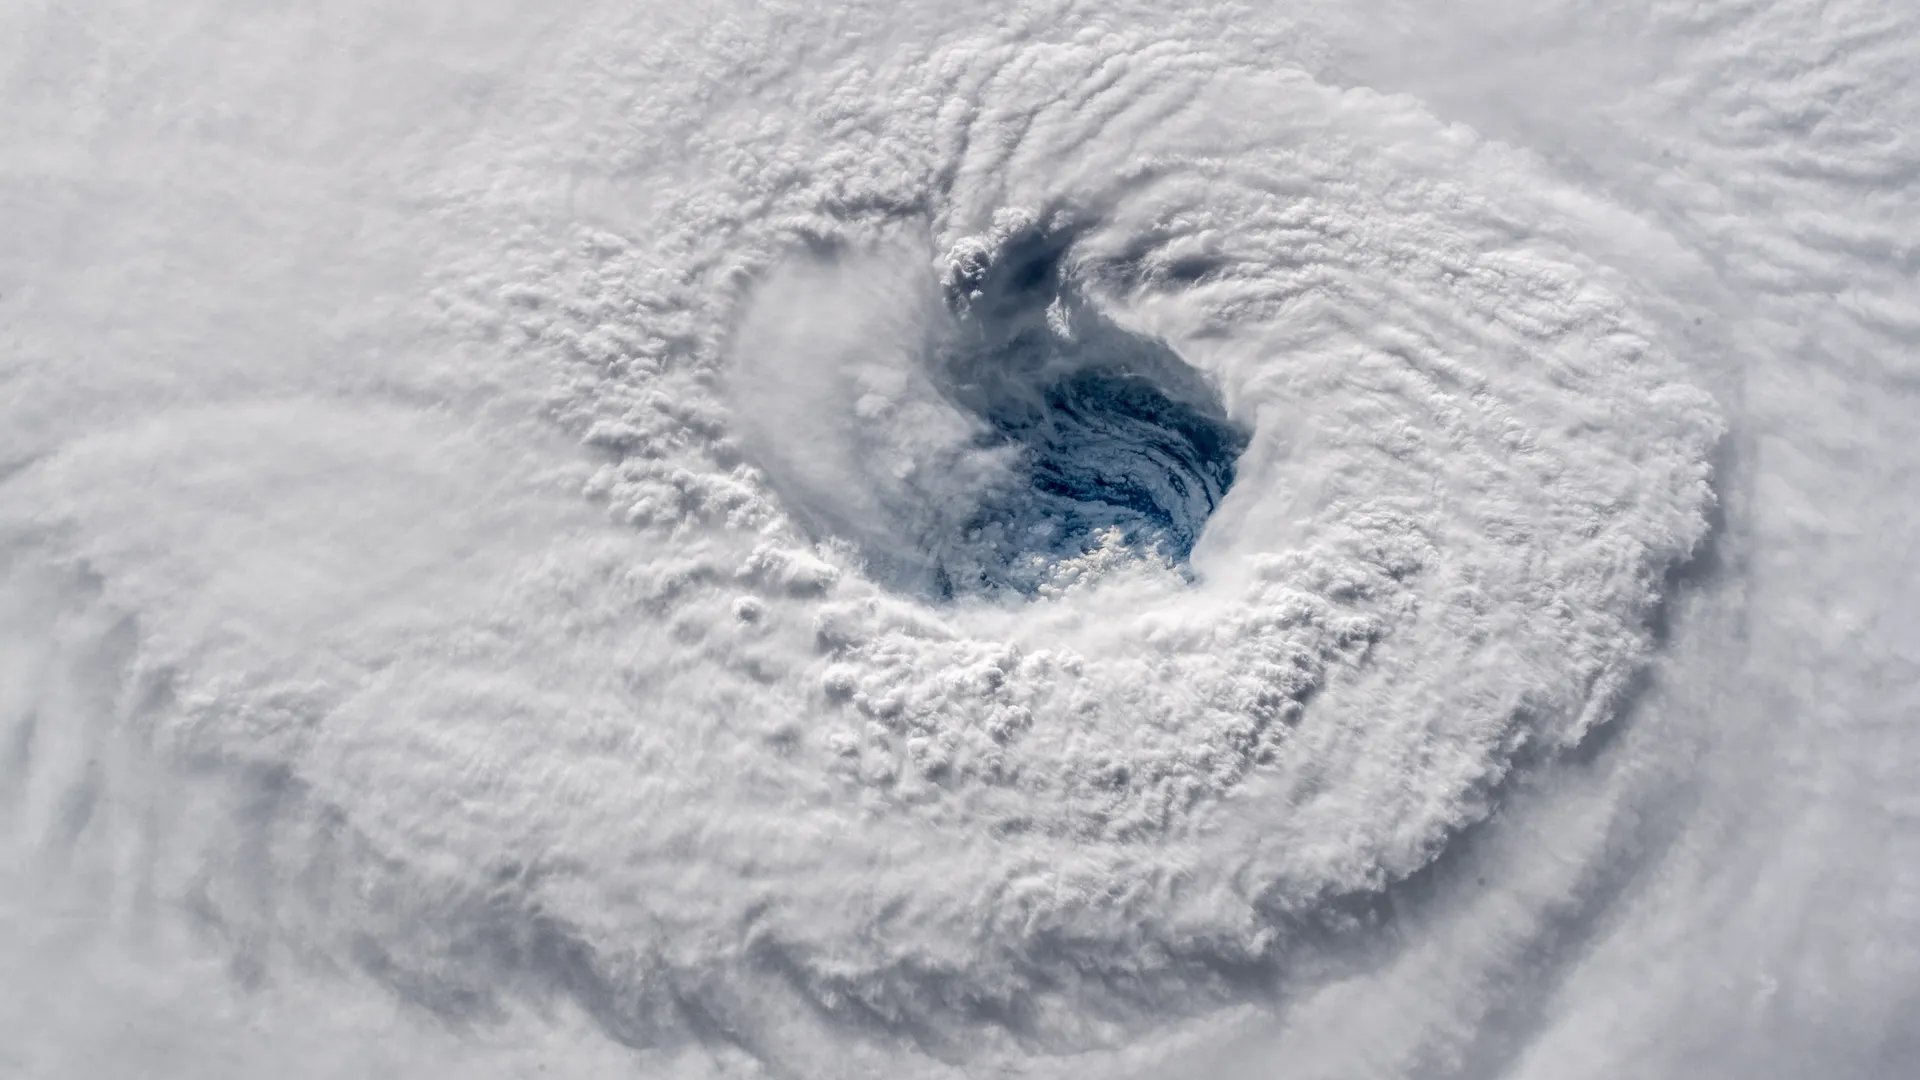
(1116, 436)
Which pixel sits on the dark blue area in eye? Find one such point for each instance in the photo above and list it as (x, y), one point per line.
(1108, 446)
(1113, 429)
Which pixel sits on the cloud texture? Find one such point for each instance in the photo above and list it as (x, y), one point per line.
(902, 542)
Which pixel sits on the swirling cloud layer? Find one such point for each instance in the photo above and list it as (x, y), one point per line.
(886, 543)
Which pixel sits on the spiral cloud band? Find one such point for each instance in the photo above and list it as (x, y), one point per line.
(898, 542)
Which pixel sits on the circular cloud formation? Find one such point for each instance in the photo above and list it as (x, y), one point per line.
(1089, 514)
(1463, 469)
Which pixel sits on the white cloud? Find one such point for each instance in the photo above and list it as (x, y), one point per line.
(460, 466)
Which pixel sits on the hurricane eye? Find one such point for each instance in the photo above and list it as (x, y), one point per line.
(1116, 437)
(980, 435)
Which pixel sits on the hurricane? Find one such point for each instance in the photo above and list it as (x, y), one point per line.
(1064, 539)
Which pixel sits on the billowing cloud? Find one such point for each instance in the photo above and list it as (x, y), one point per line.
(881, 543)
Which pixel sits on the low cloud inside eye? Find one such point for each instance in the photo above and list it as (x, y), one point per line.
(971, 438)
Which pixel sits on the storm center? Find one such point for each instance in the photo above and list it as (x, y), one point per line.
(1114, 438)
(971, 438)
